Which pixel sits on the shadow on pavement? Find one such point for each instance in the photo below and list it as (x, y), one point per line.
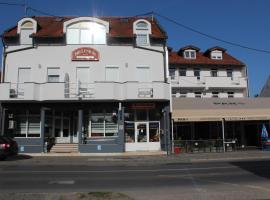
(258, 168)
(18, 157)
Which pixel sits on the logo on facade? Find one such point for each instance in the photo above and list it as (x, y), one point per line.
(85, 54)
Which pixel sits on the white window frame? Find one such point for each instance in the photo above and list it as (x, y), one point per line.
(112, 67)
(216, 55)
(138, 41)
(54, 75)
(92, 39)
(149, 78)
(188, 54)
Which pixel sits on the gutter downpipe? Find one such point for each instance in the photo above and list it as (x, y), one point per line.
(223, 134)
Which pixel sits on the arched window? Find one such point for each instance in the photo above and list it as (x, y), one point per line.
(142, 29)
(142, 26)
(27, 25)
(86, 33)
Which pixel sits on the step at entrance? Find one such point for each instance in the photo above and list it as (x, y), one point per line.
(64, 148)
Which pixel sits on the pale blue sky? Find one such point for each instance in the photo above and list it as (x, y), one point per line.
(241, 21)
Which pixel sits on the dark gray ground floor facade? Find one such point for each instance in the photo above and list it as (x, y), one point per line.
(97, 127)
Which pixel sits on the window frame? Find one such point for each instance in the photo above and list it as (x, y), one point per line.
(188, 54)
(48, 75)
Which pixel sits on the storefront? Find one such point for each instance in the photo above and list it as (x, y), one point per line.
(229, 121)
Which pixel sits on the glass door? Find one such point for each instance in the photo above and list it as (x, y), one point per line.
(141, 132)
(62, 129)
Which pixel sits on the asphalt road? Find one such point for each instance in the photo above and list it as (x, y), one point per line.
(183, 180)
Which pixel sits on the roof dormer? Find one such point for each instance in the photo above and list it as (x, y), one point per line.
(215, 53)
(188, 52)
(142, 30)
(26, 27)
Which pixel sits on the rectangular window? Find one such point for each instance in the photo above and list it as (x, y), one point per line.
(86, 36)
(190, 54)
(172, 73)
(24, 75)
(142, 39)
(230, 94)
(143, 74)
(183, 94)
(73, 36)
(216, 55)
(53, 75)
(153, 131)
(214, 72)
(229, 73)
(182, 72)
(25, 36)
(112, 73)
(129, 132)
(198, 95)
(215, 94)
(197, 72)
(27, 125)
(103, 124)
(97, 125)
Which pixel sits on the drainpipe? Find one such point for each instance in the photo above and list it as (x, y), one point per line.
(223, 134)
(3, 62)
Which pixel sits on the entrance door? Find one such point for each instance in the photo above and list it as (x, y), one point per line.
(141, 132)
(62, 129)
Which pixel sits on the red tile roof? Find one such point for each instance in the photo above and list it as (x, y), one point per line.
(119, 27)
(203, 59)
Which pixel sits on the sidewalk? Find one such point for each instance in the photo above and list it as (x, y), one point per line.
(134, 158)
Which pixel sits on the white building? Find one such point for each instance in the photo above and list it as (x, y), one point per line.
(98, 83)
(210, 74)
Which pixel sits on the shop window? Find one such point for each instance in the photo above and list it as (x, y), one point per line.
(154, 132)
(129, 115)
(111, 126)
(129, 132)
(104, 124)
(27, 125)
(97, 124)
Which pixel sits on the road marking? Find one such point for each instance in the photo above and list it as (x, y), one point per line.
(118, 171)
(68, 182)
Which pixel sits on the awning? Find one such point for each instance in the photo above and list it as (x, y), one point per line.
(212, 109)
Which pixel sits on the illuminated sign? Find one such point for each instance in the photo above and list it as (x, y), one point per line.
(85, 54)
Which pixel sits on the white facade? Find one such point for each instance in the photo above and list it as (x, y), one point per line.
(80, 86)
(208, 80)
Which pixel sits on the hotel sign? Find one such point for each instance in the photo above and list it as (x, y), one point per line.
(85, 54)
(143, 106)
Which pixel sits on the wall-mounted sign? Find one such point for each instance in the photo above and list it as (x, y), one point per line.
(145, 92)
(85, 54)
(143, 106)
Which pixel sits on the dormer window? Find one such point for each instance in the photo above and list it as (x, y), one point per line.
(142, 30)
(86, 33)
(190, 54)
(142, 26)
(26, 27)
(216, 55)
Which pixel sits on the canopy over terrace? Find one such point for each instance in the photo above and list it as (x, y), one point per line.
(216, 109)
